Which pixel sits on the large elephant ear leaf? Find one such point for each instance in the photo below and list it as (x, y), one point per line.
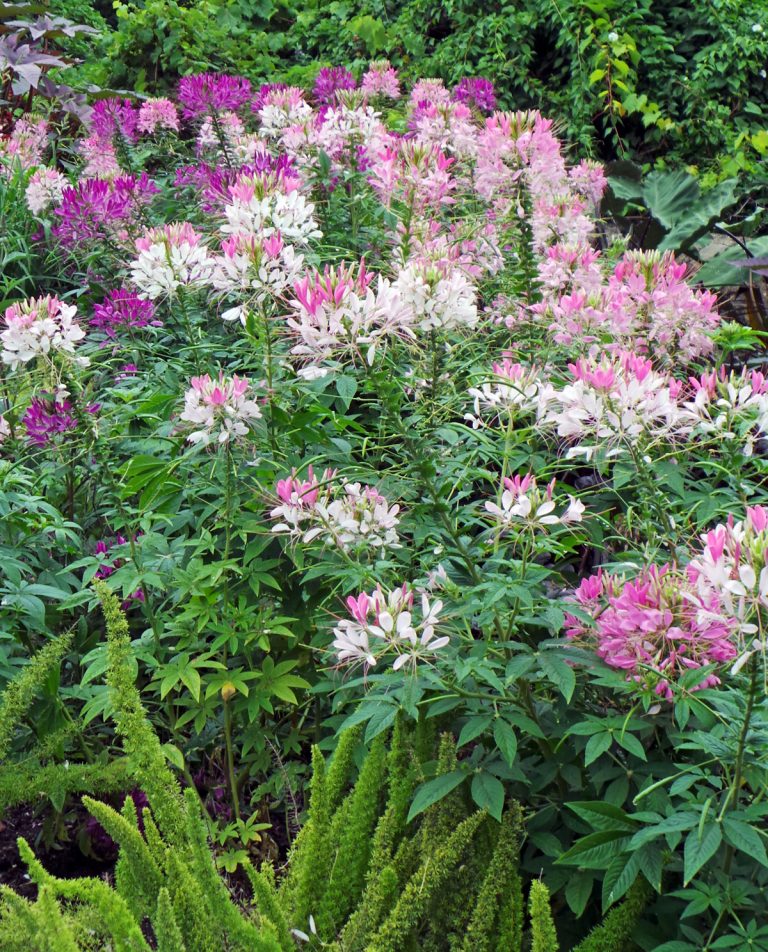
(669, 196)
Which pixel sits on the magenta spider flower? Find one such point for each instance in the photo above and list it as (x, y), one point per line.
(46, 418)
(330, 80)
(122, 308)
(115, 116)
(476, 91)
(212, 92)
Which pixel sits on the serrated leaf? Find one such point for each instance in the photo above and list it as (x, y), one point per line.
(745, 838)
(506, 740)
(597, 745)
(700, 849)
(433, 791)
(473, 728)
(488, 794)
(559, 672)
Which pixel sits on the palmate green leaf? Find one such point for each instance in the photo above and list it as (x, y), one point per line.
(488, 794)
(434, 790)
(699, 848)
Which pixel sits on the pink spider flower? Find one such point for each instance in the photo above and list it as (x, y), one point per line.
(204, 93)
(387, 625)
(522, 505)
(218, 410)
(381, 81)
(157, 115)
(656, 627)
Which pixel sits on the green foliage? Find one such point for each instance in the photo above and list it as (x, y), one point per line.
(543, 934)
(20, 693)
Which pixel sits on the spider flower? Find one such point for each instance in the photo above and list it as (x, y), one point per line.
(156, 115)
(612, 403)
(45, 188)
(381, 80)
(122, 308)
(388, 625)
(345, 515)
(40, 327)
(330, 80)
(204, 93)
(656, 627)
(47, 418)
(218, 410)
(522, 505)
(169, 258)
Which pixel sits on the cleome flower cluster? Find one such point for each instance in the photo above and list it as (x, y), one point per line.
(469, 269)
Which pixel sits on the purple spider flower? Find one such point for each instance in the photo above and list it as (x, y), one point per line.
(206, 92)
(46, 417)
(330, 80)
(115, 116)
(122, 308)
(476, 91)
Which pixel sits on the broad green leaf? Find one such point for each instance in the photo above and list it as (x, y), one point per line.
(670, 195)
(434, 790)
(488, 794)
(559, 672)
(473, 728)
(745, 838)
(596, 746)
(506, 740)
(699, 849)
(577, 892)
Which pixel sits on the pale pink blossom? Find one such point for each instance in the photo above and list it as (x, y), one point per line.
(40, 327)
(512, 392)
(336, 513)
(259, 272)
(613, 403)
(158, 114)
(522, 505)
(262, 204)
(381, 80)
(45, 188)
(437, 298)
(343, 314)
(219, 410)
(169, 258)
(386, 625)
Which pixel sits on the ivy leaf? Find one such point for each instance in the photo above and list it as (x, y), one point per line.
(699, 848)
(488, 794)
(433, 791)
